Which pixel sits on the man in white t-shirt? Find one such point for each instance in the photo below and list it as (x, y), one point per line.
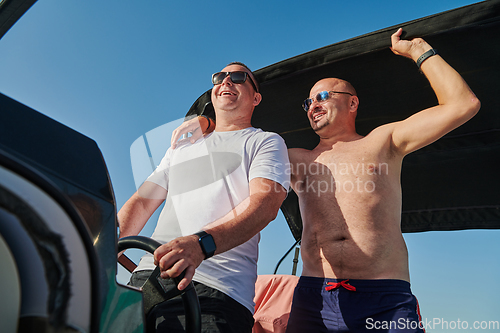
(219, 192)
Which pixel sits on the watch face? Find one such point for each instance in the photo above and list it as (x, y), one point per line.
(208, 245)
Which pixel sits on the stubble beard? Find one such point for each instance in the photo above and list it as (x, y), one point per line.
(319, 126)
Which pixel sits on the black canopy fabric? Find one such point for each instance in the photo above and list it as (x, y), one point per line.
(11, 11)
(452, 184)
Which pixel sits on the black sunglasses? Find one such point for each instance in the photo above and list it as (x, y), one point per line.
(320, 97)
(236, 77)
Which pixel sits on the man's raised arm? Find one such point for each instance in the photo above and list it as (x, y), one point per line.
(457, 103)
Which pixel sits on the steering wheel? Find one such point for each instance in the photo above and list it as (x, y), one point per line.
(154, 291)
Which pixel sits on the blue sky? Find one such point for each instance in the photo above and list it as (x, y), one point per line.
(115, 70)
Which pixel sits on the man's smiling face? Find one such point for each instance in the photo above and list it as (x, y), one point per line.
(229, 96)
(333, 110)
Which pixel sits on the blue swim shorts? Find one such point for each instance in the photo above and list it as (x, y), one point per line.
(332, 305)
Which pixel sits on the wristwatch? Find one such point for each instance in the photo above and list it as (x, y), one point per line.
(207, 243)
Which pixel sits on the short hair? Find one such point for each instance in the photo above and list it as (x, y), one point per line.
(251, 73)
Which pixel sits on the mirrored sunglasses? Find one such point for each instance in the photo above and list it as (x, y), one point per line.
(321, 97)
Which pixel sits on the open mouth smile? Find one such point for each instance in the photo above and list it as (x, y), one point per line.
(227, 93)
(318, 116)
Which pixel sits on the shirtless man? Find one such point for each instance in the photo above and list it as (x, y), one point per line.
(355, 273)
(355, 262)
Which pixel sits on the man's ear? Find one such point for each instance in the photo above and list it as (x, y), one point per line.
(257, 99)
(354, 103)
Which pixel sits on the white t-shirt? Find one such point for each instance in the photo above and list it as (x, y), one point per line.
(204, 182)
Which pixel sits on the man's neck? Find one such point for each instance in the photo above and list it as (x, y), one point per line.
(232, 121)
(231, 127)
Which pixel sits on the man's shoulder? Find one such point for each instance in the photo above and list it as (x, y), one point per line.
(379, 136)
(382, 130)
(378, 141)
(298, 154)
(261, 132)
(262, 135)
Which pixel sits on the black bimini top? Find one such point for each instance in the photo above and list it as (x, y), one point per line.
(452, 184)
(11, 11)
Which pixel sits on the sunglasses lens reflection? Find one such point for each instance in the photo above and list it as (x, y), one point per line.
(322, 96)
(307, 104)
(238, 77)
(217, 78)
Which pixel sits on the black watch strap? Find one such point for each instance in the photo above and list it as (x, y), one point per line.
(425, 56)
(207, 243)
